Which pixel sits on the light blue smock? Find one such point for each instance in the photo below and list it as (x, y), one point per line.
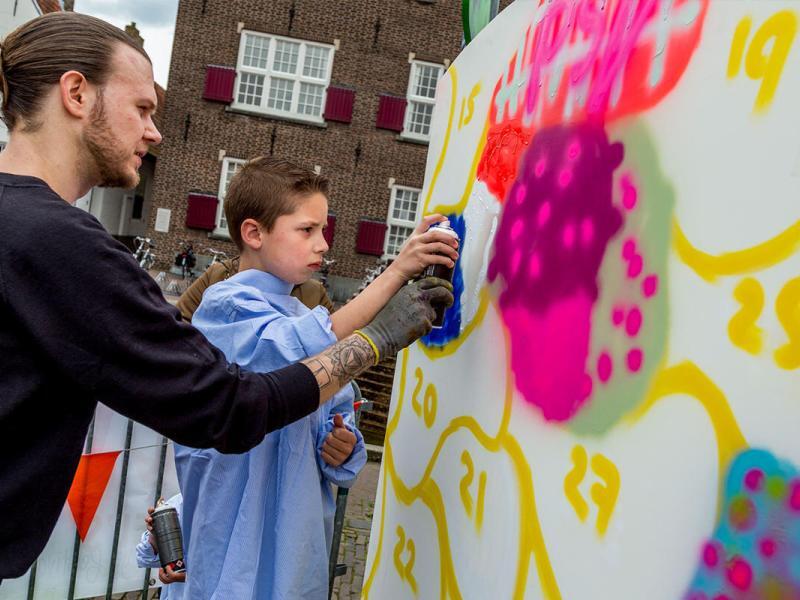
(259, 525)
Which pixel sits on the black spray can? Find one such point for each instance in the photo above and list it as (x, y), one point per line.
(167, 531)
(441, 271)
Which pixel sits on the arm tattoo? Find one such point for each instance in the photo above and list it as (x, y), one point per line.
(320, 372)
(337, 365)
(350, 357)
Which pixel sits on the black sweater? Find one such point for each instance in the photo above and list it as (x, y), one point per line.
(82, 323)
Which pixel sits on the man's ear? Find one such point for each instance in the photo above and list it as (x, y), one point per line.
(76, 97)
(251, 234)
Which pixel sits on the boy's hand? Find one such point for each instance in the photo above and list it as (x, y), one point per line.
(168, 576)
(339, 444)
(424, 248)
(148, 521)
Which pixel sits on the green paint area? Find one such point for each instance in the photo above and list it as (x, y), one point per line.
(630, 319)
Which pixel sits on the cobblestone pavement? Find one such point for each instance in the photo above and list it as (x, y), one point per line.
(355, 534)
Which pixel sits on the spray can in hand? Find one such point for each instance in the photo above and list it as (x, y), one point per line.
(167, 531)
(441, 271)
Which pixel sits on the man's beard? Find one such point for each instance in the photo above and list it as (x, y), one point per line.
(106, 161)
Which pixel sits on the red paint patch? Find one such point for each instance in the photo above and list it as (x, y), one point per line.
(650, 286)
(605, 367)
(740, 574)
(634, 360)
(768, 547)
(754, 480)
(710, 555)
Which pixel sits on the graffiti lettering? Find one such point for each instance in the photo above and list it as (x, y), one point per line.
(405, 570)
(426, 410)
(604, 494)
(787, 307)
(777, 33)
(742, 329)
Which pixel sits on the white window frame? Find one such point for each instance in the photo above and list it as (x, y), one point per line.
(392, 221)
(413, 98)
(220, 230)
(269, 72)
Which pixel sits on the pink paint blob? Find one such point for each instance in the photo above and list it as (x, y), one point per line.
(568, 235)
(794, 496)
(740, 574)
(650, 286)
(516, 259)
(516, 229)
(628, 248)
(564, 178)
(710, 555)
(605, 367)
(722, 597)
(587, 231)
(520, 195)
(635, 266)
(629, 193)
(574, 150)
(535, 266)
(617, 316)
(634, 360)
(544, 213)
(754, 480)
(554, 377)
(768, 547)
(634, 322)
(540, 166)
(588, 386)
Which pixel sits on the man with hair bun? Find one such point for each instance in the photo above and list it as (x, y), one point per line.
(81, 323)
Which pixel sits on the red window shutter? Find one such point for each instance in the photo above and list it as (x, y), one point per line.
(339, 104)
(330, 230)
(391, 113)
(370, 237)
(219, 83)
(201, 212)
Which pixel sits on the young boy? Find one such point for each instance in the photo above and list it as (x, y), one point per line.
(258, 525)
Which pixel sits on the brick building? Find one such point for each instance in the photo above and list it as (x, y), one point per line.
(343, 87)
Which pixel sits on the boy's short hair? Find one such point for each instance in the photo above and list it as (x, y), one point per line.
(266, 188)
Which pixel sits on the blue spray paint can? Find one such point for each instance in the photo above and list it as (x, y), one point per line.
(441, 271)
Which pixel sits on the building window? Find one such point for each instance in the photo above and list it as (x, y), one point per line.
(282, 76)
(421, 94)
(403, 211)
(230, 166)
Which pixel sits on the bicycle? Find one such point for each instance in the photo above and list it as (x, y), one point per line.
(143, 253)
(327, 263)
(216, 256)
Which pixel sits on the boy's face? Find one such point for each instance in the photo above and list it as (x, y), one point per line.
(294, 248)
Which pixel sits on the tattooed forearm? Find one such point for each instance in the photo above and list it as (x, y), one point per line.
(350, 356)
(337, 365)
(320, 372)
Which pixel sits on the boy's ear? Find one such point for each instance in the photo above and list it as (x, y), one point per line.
(251, 234)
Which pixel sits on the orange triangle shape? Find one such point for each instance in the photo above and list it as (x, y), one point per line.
(88, 487)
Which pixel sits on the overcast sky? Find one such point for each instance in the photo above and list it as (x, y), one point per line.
(154, 18)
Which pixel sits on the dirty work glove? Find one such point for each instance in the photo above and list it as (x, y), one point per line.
(407, 316)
